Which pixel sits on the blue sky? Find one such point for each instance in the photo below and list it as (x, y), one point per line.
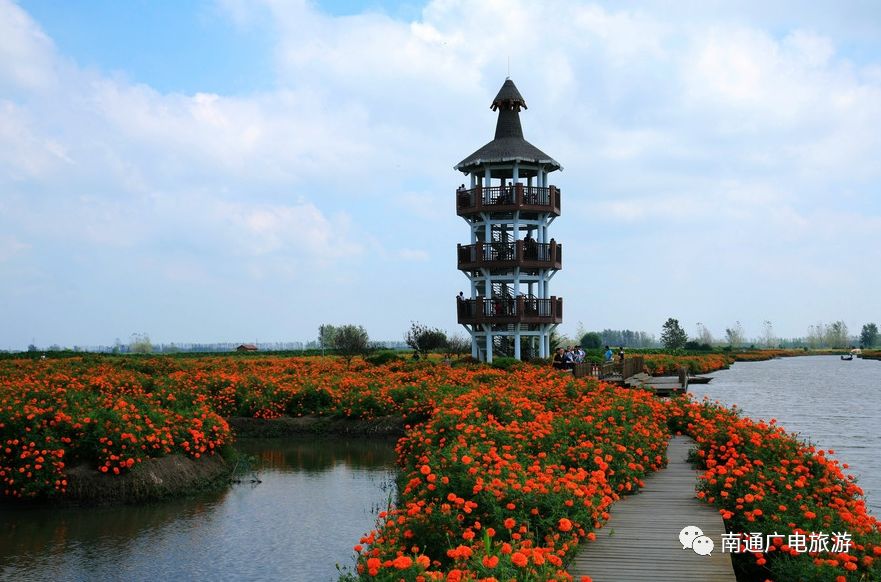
(229, 170)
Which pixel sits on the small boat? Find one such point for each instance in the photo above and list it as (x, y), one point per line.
(848, 357)
(699, 379)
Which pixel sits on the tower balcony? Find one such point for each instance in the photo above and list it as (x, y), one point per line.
(500, 310)
(501, 256)
(508, 199)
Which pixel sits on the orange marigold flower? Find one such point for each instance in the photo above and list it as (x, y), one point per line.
(490, 561)
(402, 562)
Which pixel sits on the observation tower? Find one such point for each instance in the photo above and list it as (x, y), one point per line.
(509, 207)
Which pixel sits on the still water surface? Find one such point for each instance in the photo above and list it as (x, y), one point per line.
(316, 499)
(829, 402)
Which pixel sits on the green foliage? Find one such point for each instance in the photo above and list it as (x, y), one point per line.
(458, 345)
(424, 339)
(310, 400)
(350, 341)
(734, 335)
(140, 344)
(326, 334)
(383, 357)
(837, 335)
(673, 336)
(591, 341)
(504, 363)
(627, 338)
(869, 335)
(696, 346)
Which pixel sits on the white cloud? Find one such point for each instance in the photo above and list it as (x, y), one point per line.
(27, 154)
(300, 230)
(683, 132)
(415, 255)
(10, 247)
(26, 53)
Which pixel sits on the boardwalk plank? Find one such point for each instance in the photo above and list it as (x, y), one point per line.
(641, 539)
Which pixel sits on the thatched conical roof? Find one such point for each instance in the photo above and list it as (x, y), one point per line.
(508, 144)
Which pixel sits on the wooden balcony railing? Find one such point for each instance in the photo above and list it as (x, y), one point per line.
(521, 253)
(508, 199)
(510, 310)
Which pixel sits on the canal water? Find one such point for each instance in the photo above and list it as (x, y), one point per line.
(316, 498)
(829, 402)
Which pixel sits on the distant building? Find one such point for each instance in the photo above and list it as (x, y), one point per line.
(246, 348)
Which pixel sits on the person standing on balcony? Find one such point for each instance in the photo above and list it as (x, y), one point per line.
(529, 246)
(463, 196)
(505, 196)
(608, 355)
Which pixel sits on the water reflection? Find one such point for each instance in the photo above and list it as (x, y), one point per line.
(314, 454)
(827, 401)
(317, 497)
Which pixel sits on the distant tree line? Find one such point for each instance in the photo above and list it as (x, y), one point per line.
(617, 337)
(422, 339)
(673, 337)
(213, 347)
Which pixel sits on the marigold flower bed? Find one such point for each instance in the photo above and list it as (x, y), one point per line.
(503, 473)
(54, 415)
(504, 481)
(667, 364)
(765, 480)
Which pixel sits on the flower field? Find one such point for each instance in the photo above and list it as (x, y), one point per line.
(665, 364)
(503, 473)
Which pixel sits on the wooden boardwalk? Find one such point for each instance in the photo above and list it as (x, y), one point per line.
(641, 539)
(660, 385)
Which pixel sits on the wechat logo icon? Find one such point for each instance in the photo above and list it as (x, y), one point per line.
(693, 538)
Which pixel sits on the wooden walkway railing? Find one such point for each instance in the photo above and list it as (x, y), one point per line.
(641, 539)
(614, 369)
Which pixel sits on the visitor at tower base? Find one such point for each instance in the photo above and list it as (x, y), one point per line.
(559, 361)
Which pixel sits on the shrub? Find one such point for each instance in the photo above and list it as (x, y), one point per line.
(591, 341)
(424, 339)
(383, 357)
(505, 363)
(310, 400)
